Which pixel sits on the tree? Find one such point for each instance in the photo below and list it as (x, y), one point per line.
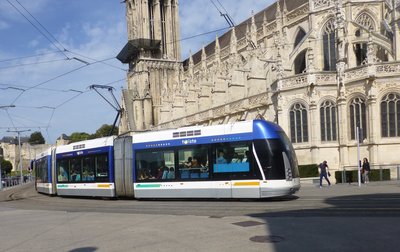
(79, 136)
(36, 138)
(6, 166)
(104, 130)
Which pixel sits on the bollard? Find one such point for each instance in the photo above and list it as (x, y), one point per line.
(398, 172)
(344, 176)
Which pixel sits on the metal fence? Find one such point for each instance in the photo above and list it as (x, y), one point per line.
(394, 171)
(8, 182)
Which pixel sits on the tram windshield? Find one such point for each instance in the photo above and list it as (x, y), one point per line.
(275, 155)
(42, 174)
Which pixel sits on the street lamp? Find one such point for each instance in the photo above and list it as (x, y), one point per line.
(1, 176)
(1, 157)
(19, 147)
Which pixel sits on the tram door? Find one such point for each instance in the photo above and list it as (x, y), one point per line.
(123, 169)
(53, 189)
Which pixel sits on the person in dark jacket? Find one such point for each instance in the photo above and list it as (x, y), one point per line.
(366, 169)
(323, 167)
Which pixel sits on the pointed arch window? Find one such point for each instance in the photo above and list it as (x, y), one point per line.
(328, 121)
(298, 123)
(329, 48)
(358, 117)
(366, 21)
(360, 49)
(299, 37)
(390, 115)
(300, 63)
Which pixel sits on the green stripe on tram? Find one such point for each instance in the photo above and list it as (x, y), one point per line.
(149, 185)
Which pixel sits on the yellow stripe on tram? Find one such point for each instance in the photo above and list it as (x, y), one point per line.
(247, 183)
(104, 185)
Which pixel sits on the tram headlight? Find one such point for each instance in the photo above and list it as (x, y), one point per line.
(289, 175)
(288, 167)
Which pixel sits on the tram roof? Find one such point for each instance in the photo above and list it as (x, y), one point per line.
(87, 144)
(264, 127)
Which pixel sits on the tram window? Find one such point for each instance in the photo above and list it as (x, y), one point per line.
(37, 172)
(193, 163)
(155, 165)
(269, 153)
(88, 168)
(290, 153)
(62, 168)
(101, 168)
(45, 171)
(75, 170)
(232, 161)
(42, 172)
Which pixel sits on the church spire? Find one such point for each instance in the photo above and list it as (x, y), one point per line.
(217, 47)
(253, 30)
(203, 58)
(233, 43)
(191, 65)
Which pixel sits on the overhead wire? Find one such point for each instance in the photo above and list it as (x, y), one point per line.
(37, 28)
(61, 49)
(56, 77)
(44, 28)
(33, 63)
(52, 108)
(119, 68)
(30, 56)
(226, 15)
(96, 60)
(11, 120)
(44, 82)
(24, 119)
(21, 88)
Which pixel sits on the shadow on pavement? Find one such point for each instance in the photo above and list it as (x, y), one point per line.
(348, 223)
(383, 205)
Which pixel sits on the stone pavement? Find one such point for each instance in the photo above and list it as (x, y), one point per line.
(293, 228)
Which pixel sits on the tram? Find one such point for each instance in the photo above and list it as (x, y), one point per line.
(249, 159)
(44, 182)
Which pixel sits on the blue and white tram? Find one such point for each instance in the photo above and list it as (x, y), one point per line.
(86, 168)
(44, 178)
(252, 159)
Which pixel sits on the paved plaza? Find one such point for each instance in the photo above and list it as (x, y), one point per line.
(340, 218)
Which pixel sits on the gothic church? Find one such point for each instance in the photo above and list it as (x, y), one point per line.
(321, 69)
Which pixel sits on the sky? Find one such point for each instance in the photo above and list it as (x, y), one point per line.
(53, 51)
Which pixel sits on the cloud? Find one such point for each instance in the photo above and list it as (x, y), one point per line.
(54, 103)
(9, 12)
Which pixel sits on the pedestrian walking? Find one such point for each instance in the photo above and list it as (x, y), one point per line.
(366, 169)
(324, 173)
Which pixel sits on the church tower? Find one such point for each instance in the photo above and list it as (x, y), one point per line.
(153, 54)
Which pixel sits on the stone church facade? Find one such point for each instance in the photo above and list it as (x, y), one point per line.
(319, 68)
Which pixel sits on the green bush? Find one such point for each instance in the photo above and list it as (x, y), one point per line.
(352, 176)
(309, 170)
(374, 175)
(18, 173)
